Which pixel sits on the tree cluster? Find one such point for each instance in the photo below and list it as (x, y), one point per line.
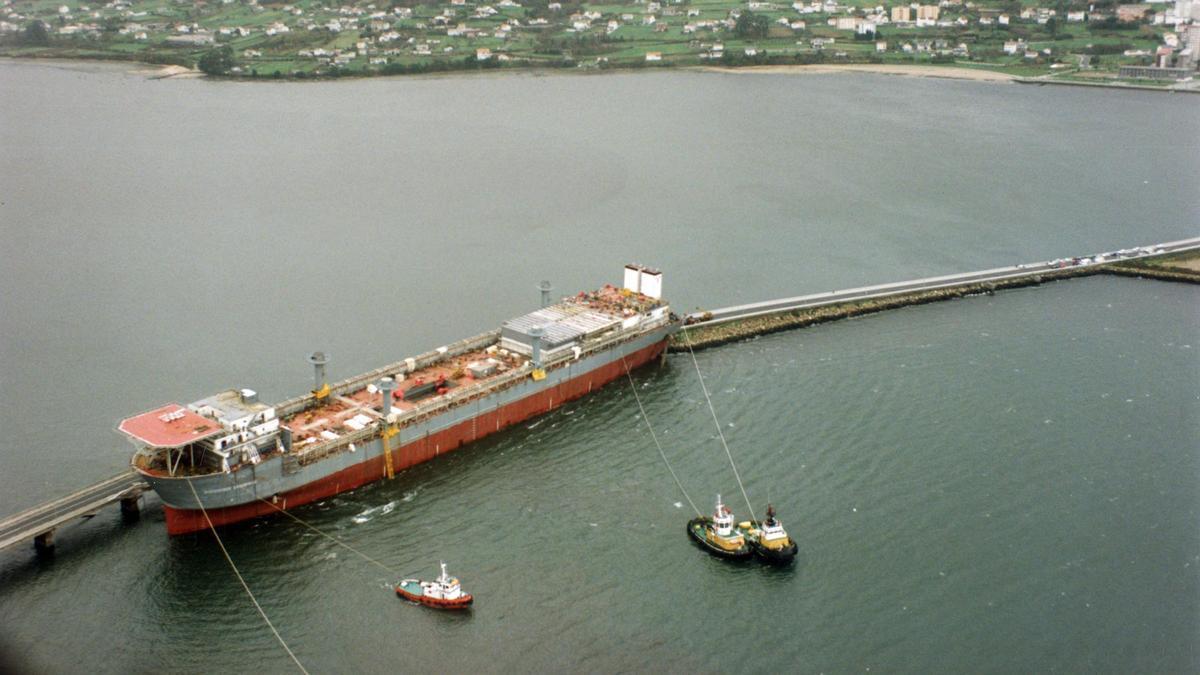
(36, 33)
(216, 61)
(750, 26)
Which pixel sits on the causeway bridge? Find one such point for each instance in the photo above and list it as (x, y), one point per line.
(1079, 266)
(40, 522)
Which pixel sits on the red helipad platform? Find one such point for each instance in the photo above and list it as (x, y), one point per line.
(170, 426)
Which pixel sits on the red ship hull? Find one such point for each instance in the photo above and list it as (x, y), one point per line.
(184, 521)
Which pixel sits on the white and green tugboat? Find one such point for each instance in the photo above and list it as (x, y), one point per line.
(717, 534)
(769, 540)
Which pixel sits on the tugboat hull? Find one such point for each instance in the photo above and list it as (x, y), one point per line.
(697, 528)
(773, 556)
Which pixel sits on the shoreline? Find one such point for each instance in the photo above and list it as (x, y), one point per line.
(930, 71)
(943, 72)
(151, 71)
(154, 71)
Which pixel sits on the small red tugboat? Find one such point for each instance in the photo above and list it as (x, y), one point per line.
(444, 593)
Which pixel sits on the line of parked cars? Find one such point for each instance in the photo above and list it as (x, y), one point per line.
(1104, 257)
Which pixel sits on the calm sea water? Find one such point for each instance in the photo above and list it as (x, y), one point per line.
(1003, 484)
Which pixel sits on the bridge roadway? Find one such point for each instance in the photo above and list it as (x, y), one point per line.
(40, 522)
(718, 316)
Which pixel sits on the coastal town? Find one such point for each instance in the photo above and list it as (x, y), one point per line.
(1149, 44)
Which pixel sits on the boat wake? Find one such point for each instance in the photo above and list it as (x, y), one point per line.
(369, 514)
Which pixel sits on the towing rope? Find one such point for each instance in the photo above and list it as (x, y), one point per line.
(239, 576)
(330, 537)
(655, 437)
(717, 422)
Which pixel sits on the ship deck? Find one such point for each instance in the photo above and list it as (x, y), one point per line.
(341, 414)
(349, 412)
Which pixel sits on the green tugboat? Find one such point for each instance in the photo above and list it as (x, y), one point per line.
(769, 540)
(717, 534)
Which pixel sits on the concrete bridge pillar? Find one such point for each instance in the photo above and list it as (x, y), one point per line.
(130, 508)
(44, 542)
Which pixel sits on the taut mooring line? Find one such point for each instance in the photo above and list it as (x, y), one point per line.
(244, 585)
(655, 437)
(718, 423)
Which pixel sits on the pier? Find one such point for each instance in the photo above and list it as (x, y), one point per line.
(706, 329)
(39, 523)
(728, 324)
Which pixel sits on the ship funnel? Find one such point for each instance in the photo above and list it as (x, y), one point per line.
(545, 288)
(535, 345)
(320, 387)
(386, 386)
(644, 280)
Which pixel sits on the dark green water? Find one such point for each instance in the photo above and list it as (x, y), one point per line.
(1003, 484)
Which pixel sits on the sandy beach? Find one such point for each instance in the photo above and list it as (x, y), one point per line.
(886, 69)
(157, 72)
(947, 72)
(164, 72)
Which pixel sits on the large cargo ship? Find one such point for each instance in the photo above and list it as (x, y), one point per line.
(231, 457)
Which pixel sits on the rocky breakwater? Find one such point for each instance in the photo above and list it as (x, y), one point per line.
(1182, 267)
(699, 334)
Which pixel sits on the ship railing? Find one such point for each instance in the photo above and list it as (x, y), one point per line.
(322, 450)
(440, 404)
(298, 403)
